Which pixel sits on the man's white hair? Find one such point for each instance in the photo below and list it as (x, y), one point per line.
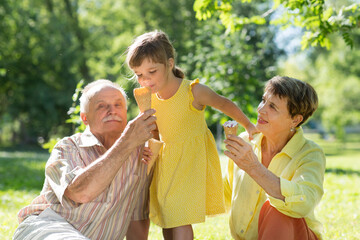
(93, 88)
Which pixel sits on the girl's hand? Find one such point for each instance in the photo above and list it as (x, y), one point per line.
(241, 153)
(146, 155)
(251, 130)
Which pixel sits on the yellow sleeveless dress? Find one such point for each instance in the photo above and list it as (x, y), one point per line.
(187, 182)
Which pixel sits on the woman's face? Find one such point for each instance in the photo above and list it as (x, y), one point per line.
(273, 115)
(152, 75)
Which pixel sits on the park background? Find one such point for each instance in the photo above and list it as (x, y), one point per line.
(49, 49)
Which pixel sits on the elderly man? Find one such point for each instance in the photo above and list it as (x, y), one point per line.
(95, 182)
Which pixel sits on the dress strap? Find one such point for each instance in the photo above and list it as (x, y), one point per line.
(192, 84)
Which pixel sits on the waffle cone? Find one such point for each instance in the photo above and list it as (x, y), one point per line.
(230, 130)
(143, 98)
(155, 146)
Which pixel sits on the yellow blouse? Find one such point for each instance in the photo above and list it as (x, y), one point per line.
(187, 182)
(301, 168)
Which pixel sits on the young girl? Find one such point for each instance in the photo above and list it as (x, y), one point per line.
(187, 183)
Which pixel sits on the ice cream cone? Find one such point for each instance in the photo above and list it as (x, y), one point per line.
(143, 98)
(155, 146)
(230, 127)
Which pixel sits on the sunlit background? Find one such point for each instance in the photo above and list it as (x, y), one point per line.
(49, 48)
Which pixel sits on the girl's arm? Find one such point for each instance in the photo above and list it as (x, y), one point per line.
(204, 96)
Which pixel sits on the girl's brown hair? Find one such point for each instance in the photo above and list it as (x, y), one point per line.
(155, 46)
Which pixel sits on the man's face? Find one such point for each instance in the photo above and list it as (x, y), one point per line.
(107, 112)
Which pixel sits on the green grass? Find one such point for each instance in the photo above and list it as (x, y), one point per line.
(339, 208)
(22, 175)
(21, 179)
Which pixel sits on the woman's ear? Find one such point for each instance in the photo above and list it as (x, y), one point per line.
(297, 120)
(83, 118)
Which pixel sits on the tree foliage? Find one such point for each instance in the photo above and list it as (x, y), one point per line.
(39, 54)
(48, 47)
(318, 19)
(336, 77)
(230, 64)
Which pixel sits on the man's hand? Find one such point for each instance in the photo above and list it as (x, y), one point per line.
(139, 130)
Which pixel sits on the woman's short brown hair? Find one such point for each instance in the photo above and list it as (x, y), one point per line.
(301, 96)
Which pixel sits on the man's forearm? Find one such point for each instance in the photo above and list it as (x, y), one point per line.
(97, 176)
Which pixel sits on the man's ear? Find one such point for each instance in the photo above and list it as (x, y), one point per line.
(83, 118)
(297, 120)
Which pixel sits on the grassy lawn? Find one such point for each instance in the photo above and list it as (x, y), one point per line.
(22, 175)
(21, 179)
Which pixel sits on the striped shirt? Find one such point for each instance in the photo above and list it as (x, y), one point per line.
(108, 215)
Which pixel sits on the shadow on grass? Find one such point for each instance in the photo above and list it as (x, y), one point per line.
(22, 170)
(341, 171)
(338, 153)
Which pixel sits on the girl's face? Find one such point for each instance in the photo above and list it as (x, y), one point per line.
(152, 75)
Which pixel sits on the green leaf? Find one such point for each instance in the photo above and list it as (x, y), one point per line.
(258, 20)
(50, 144)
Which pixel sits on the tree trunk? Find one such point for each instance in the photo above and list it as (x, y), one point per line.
(84, 69)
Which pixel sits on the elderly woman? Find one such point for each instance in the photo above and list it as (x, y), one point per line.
(278, 177)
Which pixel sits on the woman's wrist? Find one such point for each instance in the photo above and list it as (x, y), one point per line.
(256, 169)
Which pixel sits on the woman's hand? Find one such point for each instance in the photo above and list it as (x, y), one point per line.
(244, 157)
(241, 153)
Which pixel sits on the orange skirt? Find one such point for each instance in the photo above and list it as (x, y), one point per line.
(277, 226)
